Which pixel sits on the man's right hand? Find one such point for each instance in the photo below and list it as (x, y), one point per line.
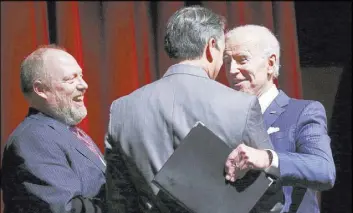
(244, 158)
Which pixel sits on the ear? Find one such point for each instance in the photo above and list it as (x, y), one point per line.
(40, 89)
(271, 63)
(210, 48)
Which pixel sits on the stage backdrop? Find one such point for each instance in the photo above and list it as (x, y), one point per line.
(120, 47)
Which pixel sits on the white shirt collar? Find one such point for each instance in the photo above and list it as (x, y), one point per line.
(266, 99)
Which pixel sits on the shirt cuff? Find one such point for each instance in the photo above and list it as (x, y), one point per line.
(274, 163)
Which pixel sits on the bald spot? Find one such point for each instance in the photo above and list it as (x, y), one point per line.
(56, 60)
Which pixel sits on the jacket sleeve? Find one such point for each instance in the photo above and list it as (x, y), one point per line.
(45, 175)
(312, 164)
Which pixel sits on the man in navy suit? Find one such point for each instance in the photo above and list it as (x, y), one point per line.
(50, 165)
(297, 128)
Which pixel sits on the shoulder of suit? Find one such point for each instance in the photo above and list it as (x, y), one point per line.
(137, 92)
(220, 90)
(32, 129)
(304, 104)
(304, 101)
(40, 126)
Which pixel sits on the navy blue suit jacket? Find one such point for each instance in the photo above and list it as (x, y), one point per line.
(303, 147)
(47, 169)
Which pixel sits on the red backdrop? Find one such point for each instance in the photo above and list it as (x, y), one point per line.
(120, 48)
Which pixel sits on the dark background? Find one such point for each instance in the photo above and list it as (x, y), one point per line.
(324, 39)
(324, 32)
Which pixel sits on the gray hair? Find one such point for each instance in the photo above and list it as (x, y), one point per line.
(32, 68)
(188, 31)
(266, 39)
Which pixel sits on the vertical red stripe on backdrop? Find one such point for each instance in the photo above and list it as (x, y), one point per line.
(147, 65)
(133, 58)
(295, 71)
(77, 32)
(146, 47)
(143, 38)
(33, 21)
(44, 21)
(69, 36)
(290, 76)
(267, 12)
(121, 55)
(78, 47)
(241, 12)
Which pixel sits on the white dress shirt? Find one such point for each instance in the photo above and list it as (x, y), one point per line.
(265, 100)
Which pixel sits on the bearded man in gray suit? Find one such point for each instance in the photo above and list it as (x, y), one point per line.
(147, 125)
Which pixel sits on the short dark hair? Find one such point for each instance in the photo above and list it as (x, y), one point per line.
(188, 31)
(32, 67)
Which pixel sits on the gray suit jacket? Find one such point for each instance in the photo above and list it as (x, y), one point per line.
(146, 127)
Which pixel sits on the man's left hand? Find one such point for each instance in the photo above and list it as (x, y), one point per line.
(244, 158)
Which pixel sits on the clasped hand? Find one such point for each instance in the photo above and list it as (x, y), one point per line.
(244, 158)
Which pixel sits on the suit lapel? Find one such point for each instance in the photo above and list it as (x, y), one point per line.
(71, 138)
(85, 151)
(276, 108)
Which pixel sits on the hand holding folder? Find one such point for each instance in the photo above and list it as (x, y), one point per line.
(194, 177)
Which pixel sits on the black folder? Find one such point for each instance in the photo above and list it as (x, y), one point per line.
(194, 177)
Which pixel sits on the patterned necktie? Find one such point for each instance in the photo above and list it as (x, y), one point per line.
(82, 136)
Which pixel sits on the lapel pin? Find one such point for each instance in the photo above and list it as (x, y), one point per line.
(273, 112)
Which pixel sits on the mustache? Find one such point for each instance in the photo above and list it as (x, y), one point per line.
(79, 95)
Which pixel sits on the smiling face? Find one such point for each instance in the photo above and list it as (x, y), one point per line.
(65, 88)
(248, 67)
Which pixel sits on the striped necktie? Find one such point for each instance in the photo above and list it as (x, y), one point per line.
(82, 136)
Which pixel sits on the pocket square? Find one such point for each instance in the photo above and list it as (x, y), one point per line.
(272, 130)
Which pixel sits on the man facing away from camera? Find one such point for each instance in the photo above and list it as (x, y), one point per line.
(49, 164)
(147, 125)
(297, 128)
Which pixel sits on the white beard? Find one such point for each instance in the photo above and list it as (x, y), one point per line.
(69, 115)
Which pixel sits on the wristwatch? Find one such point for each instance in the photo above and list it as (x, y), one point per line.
(270, 156)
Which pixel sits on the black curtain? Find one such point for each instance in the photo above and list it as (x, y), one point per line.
(339, 199)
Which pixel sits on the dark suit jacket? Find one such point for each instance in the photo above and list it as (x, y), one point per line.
(303, 147)
(47, 169)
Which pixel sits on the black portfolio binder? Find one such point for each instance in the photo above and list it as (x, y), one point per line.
(194, 177)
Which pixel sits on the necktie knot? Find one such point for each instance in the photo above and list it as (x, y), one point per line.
(76, 131)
